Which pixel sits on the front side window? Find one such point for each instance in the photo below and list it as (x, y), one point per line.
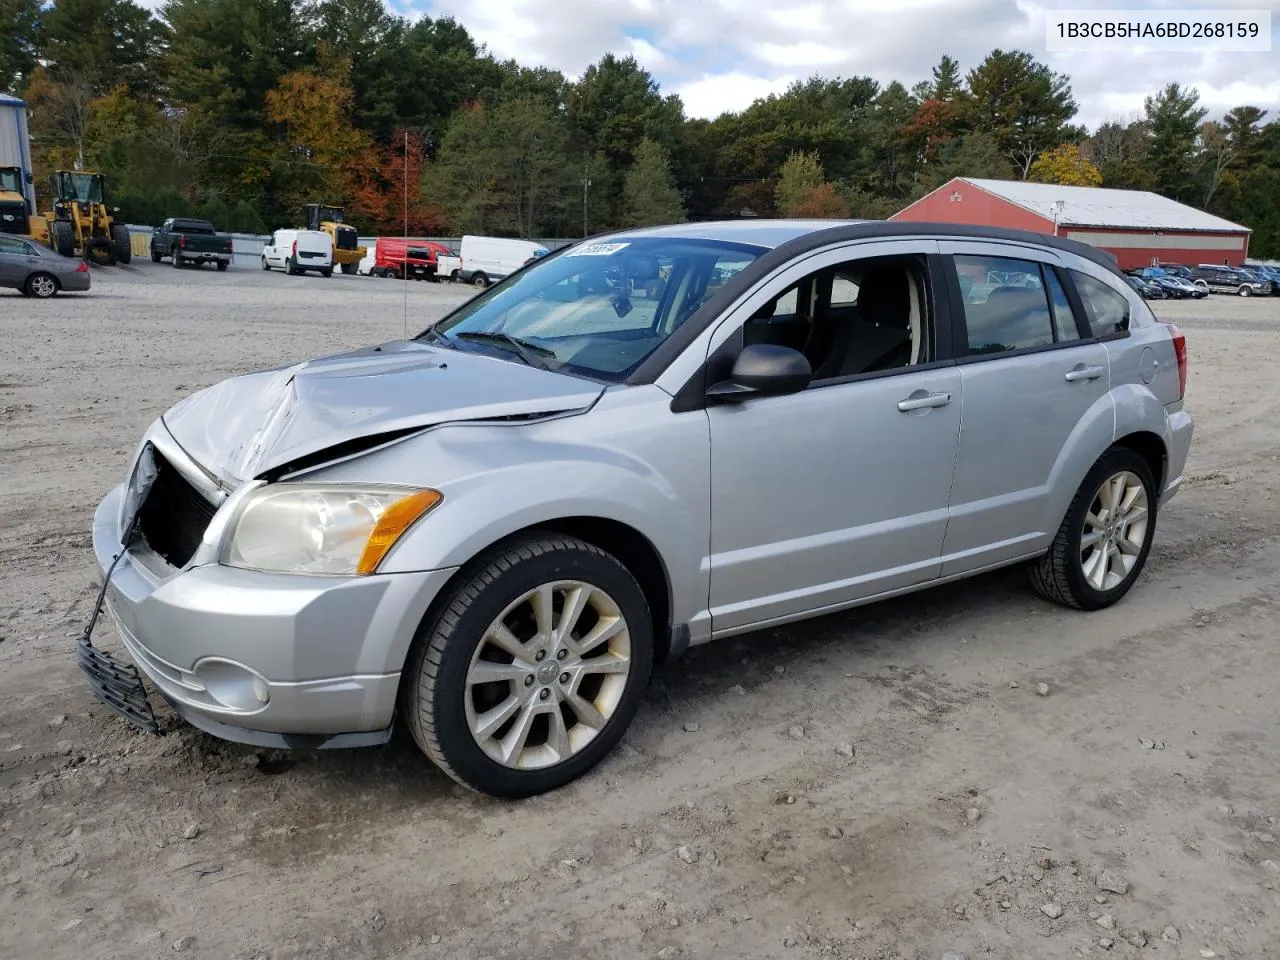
(598, 309)
(1006, 306)
(13, 247)
(1108, 311)
(867, 316)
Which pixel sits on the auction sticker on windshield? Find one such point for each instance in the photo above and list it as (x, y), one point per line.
(596, 250)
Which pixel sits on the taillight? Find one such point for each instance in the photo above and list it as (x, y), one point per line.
(230, 247)
(295, 249)
(1180, 351)
(82, 267)
(182, 243)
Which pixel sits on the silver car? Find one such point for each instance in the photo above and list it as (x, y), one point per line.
(38, 271)
(494, 531)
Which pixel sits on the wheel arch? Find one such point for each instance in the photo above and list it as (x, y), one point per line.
(1152, 449)
(629, 546)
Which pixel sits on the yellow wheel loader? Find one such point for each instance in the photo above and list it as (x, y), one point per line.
(16, 215)
(81, 222)
(347, 253)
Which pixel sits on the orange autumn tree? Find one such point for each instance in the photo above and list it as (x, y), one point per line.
(377, 187)
(318, 145)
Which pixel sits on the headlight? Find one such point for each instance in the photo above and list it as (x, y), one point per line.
(335, 529)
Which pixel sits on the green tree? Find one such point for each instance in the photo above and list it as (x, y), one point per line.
(19, 42)
(1119, 151)
(947, 83)
(800, 175)
(649, 194)
(1067, 166)
(615, 105)
(1023, 104)
(1241, 127)
(102, 43)
(972, 155)
(1173, 117)
(226, 55)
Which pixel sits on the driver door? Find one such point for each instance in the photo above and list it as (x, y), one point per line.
(838, 493)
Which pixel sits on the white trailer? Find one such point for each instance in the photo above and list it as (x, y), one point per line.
(15, 145)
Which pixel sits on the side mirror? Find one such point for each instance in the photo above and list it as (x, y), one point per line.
(763, 369)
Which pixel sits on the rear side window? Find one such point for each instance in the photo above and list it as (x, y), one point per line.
(1006, 306)
(1108, 311)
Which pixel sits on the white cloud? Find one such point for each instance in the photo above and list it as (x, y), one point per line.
(720, 54)
(726, 92)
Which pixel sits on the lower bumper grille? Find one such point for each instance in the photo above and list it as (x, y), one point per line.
(174, 516)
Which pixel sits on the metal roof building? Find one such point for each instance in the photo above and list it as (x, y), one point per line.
(15, 144)
(1136, 227)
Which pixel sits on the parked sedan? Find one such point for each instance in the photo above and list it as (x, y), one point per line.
(1178, 288)
(494, 531)
(1147, 289)
(39, 271)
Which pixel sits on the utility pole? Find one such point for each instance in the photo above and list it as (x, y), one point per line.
(586, 185)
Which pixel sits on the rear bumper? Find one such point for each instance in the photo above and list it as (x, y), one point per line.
(264, 658)
(74, 282)
(1177, 443)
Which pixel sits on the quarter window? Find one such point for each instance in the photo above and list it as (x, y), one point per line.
(1108, 311)
(1006, 306)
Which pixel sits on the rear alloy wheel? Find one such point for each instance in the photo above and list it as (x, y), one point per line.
(533, 670)
(1105, 537)
(42, 286)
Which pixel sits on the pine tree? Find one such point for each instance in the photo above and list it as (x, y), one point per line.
(649, 193)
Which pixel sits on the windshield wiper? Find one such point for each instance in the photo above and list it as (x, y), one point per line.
(436, 336)
(530, 353)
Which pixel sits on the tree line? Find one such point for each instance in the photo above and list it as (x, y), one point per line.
(242, 110)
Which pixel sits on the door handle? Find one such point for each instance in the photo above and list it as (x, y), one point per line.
(1082, 372)
(921, 400)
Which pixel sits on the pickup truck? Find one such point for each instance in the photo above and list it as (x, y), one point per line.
(186, 241)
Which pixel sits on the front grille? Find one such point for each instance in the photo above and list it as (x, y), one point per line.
(13, 218)
(174, 516)
(346, 239)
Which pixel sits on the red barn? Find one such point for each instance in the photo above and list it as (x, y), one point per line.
(1136, 227)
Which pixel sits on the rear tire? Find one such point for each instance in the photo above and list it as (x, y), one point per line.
(177, 260)
(122, 243)
(572, 704)
(327, 272)
(63, 237)
(480, 280)
(42, 286)
(290, 267)
(1103, 542)
(222, 266)
(155, 255)
(99, 250)
(349, 268)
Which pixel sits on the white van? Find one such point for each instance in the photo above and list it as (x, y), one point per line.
(365, 267)
(296, 251)
(486, 260)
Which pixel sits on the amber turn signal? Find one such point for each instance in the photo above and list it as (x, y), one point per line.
(395, 520)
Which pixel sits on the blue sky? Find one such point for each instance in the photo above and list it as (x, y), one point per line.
(721, 54)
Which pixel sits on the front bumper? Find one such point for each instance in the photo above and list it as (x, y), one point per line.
(269, 659)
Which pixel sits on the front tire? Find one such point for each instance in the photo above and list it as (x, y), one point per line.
(122, 243)
(1245, 292)
(155, 255)
(533, 668)
(480, 280)
(349, 268)
(1103, 542)
(63, 237)
(327, 272)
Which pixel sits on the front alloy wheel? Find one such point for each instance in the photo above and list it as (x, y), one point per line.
(548, 674)
(532, 668)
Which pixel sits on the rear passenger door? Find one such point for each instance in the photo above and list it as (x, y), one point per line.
(16, 261)
(1035, 401)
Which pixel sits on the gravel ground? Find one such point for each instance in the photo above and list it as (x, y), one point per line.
(968, 772)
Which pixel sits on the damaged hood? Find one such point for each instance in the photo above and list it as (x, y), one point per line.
(247, 425)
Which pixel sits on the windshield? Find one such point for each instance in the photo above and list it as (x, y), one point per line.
(82, 187)
(597, 309)
(11, 180)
